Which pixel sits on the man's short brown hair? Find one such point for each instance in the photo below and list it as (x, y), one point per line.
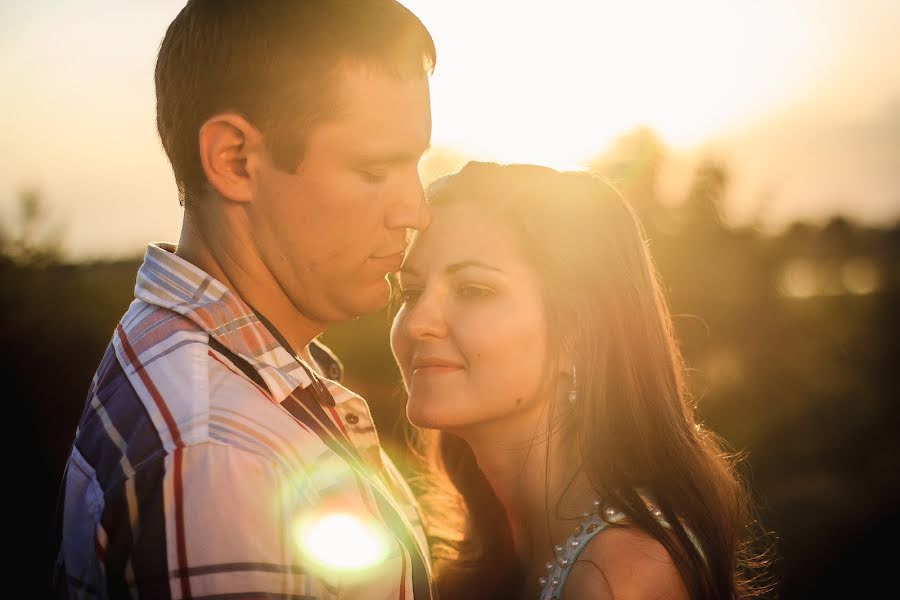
(273, 62)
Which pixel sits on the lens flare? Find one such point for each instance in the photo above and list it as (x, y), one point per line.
(342, 542)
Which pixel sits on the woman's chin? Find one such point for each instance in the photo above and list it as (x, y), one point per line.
(422, 419)
(426, 415)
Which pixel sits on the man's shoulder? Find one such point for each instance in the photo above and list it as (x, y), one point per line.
(149, 346)
(193, 390)
(165, 357)
(145, 326)
(147, 377)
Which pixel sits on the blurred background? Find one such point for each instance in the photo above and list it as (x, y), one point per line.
(759, 142)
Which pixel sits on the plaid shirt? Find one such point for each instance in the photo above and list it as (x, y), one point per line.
(204, 442)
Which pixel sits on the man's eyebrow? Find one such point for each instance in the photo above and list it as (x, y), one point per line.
(393, 158)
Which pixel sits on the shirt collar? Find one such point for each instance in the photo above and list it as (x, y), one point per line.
(168, 281)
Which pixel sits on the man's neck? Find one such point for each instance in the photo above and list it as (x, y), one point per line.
(229, 257)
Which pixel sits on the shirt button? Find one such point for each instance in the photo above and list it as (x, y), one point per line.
(352, 419)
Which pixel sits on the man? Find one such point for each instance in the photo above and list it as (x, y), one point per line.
(212, 460)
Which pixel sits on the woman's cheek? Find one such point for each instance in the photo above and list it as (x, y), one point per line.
(510, 354)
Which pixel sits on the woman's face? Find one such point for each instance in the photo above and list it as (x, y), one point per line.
(471, 335)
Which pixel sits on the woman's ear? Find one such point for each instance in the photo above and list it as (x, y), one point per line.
(231, 149)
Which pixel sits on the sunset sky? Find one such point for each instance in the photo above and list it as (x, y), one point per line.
(800, 98)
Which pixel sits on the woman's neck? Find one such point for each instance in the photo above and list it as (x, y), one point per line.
(538, 481)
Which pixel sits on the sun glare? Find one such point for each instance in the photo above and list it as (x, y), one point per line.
(342, 542)
(557, 86)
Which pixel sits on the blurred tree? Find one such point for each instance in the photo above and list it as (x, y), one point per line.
(35, 240)
(702, 207)
(633, 164)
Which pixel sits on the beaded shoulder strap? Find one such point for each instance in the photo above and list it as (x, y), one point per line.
(566, 554)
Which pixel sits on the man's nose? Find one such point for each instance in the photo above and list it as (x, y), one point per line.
(408, 208)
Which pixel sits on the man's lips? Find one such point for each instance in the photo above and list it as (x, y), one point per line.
(434, 366)
(390, 263)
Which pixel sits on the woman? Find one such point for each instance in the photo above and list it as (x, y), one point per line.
(534, 339)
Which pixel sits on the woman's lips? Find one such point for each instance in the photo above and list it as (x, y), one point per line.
(432, 365)
(436, 370)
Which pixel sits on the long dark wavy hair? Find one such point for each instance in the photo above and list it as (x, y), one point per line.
(634, 422)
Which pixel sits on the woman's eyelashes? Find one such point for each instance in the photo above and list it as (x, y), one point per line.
(474, 292)
(465, 292)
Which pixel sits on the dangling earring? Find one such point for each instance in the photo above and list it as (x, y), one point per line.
(573, 393)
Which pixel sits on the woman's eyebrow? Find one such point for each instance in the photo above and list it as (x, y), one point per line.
(453, 268)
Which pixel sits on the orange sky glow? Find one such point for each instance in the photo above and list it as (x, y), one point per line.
(800, 98)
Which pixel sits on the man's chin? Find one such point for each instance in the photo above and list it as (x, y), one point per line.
(375, 297)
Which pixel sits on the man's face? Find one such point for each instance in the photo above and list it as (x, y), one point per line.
(332, 230)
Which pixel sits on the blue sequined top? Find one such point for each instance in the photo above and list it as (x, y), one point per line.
(566, 554)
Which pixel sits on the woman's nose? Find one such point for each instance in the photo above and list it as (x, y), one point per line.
(426, 318)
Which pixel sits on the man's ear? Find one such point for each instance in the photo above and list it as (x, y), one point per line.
(230, 148)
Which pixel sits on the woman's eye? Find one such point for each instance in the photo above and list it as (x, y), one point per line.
(410, 295)
(474, 292)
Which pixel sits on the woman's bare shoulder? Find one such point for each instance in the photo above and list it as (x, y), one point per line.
(626, 564)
